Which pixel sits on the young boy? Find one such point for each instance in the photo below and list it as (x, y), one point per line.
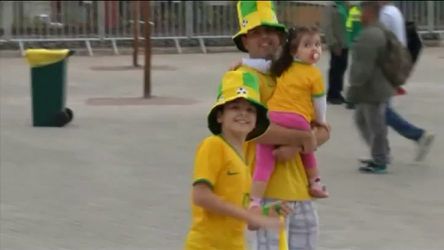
(222, 179)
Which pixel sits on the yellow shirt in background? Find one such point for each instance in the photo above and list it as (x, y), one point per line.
(295, 89)
(221, 167)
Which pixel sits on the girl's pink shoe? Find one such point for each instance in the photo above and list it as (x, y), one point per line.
(317, 189)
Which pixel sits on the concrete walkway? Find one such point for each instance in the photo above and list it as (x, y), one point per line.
(118, 176)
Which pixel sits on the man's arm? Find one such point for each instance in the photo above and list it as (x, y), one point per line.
(278, 135)
(320, 134)
(306, 141)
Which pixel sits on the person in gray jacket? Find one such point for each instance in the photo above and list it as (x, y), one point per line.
(336, 38)
(370, 90)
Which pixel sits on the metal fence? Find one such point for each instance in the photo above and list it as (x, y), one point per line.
(87, 21)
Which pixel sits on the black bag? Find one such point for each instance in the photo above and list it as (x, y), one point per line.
(414, 43)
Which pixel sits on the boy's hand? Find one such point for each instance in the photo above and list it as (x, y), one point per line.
(254, 210)
(272, 210)
(277, 208)
(256, 221)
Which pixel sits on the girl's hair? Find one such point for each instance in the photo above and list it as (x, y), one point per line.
(294, 37)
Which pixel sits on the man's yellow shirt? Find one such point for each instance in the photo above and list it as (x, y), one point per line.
(288, 181)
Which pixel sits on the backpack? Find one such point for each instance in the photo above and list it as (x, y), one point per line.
(396, 61)
(414, 43)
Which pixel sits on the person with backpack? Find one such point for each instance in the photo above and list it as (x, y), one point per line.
(370, 89)
(391, 17)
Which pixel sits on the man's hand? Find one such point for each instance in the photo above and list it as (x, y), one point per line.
(285, 153)
(325, 126)
(309, 144)
(322, 134)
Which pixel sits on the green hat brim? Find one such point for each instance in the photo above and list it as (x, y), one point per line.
(262, 121)
(238, 37)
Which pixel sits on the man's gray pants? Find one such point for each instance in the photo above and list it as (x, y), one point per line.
(370, 119)
(301, 225)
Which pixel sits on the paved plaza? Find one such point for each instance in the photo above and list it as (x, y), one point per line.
(118, 176)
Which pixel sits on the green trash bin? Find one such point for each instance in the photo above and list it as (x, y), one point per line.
(48, 87)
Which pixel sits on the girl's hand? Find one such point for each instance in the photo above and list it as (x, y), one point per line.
(235, 65)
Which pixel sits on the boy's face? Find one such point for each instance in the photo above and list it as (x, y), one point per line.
(238, 117)
(262, 42)
(309, 49)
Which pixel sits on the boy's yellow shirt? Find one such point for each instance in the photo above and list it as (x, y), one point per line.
(296, 89)
(222, 168)
(288, 181)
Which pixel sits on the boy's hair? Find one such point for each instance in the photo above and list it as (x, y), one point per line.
(294, 38)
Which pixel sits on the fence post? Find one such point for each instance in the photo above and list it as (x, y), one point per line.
(101, 18)
(431, 16)
(7, 19)
(189, 17)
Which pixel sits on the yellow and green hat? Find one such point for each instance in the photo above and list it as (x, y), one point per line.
(252, 14)
(239, 84)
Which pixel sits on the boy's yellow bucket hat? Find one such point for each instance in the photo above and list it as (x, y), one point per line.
(252, 14)
(239, 84)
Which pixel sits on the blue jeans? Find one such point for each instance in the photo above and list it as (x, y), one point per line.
(403, 127)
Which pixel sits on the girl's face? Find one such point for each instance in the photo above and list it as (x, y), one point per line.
(309, 49)
(238, 117)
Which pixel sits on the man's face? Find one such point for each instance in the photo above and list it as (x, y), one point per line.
(262, 42)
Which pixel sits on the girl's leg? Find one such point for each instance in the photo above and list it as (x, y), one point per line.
(292, 120)
(264, 167)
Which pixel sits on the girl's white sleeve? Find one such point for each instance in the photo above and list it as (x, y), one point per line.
(320, 106)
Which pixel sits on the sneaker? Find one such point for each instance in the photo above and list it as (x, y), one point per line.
(373, 168)
(365, 161)
(335, 100)
(317, 189)
(424, 144)
(349, 105)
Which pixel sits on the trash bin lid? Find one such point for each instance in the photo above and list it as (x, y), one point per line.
(42, 57)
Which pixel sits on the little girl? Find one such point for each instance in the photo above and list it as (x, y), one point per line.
(298, 100)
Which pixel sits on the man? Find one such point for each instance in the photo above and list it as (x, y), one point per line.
(370, 90)
(336, 38)
(392, 19)
(261, 36)
(353, 22)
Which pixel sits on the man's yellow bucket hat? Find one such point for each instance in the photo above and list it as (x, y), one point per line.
(252, 14)
(239, 84)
